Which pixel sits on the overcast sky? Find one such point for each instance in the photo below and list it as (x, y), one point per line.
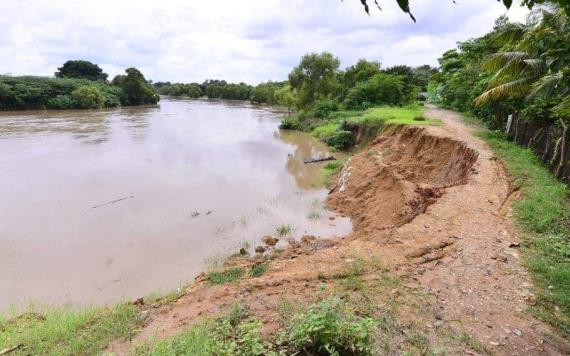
(248, 40)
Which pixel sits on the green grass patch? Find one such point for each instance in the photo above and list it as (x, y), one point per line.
(542, 214)
(325, 131)
(385, 115)
(258, 270)
(284, 230)
(225, 276)
(329, 170)
(68, 332)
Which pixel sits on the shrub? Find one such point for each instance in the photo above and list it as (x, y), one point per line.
(290, 123)
(227, 276)
(324, 107)
(61, 102)
(340, 140)
(327, 328)
(88, 97)
(380, 89)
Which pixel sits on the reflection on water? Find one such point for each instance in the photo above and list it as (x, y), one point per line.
(307, 176)
(100, 205)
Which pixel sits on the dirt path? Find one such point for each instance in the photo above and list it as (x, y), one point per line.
(433, 205)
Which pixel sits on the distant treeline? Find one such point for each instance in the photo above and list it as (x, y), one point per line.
(77, 85)
(220, 89)
(317, 81)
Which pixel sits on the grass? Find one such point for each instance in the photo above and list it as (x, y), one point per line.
(284, 230)
(329, 170)
(225, 276)
(542, 215)
(386, 115)
(258, 270)
(68, 332)
(326, 130)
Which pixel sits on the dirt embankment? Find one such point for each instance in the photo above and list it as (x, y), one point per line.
(397, 176)
(433, 206)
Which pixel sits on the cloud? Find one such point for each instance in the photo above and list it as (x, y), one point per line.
(250, 41)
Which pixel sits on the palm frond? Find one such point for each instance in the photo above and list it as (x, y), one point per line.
(563, 108)
(514, 88)
(547, 84)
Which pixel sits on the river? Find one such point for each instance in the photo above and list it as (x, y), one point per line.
(103, 206)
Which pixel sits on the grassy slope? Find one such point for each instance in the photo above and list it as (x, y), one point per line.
(68, 332)
(542, 216)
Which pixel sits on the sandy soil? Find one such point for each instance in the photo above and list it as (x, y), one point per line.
(433, 205)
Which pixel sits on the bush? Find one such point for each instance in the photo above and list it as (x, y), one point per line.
(327, 328)
(88, 97)
(61, 102)
(324, 107)
(380, 89)
(290, 123)
(340, 140)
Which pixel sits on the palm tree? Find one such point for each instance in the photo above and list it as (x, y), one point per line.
(535, 62)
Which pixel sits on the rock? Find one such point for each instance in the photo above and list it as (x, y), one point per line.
(494, 343)
(143, 315)
(139, 301)
(195, 214)
(242, 251)
(260, 249)
(307, 239)
(331, 217)
(269, 240)
(514, 244)
(517, 332)
(208, 212)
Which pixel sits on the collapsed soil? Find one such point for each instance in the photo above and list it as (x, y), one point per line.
(433, 205)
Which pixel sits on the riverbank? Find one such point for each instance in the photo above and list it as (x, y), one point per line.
(433, 266)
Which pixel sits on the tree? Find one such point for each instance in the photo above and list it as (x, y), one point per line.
(405, 5)
(81, 70)
(135, 89)
(315, 77)
(359, 72)
(88, 97)
(286, 97)
(382, 88)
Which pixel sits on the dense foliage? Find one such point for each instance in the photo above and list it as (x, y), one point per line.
(67, 92)
(81, 70)
(516, 67)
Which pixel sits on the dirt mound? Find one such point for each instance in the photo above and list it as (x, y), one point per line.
(400, 173)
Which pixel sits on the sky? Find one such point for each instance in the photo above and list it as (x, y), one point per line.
(249, 40)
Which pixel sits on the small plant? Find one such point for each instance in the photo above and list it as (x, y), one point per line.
(314, 215)
(329, 328)
(284, 230)
(258, 270)
(419, 118)
(227, 276)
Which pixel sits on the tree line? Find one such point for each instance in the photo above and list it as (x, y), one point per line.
(77, 84)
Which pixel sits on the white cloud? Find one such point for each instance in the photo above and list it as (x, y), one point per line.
(251, 41)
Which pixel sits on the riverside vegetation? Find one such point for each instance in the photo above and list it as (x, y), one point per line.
(77, 85)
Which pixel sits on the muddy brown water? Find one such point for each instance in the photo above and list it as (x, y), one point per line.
(100, 206)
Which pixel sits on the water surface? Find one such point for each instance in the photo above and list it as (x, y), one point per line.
(98, 206)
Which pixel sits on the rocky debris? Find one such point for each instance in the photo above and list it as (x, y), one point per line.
(292, 242)
(269, 240)
(260, 249)
(242, 251)
(195, 214)
(139, 301)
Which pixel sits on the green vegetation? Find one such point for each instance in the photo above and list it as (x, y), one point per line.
(329, 170)
(386, 115)
(542, 214)
(73, 89)
(81, 70)
(225, 276)
(284, 230)
(68, 332)
(258, 270)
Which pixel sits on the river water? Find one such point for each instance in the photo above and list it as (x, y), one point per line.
(102, 206)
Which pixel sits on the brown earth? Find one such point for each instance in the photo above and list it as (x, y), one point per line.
(433, 206)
